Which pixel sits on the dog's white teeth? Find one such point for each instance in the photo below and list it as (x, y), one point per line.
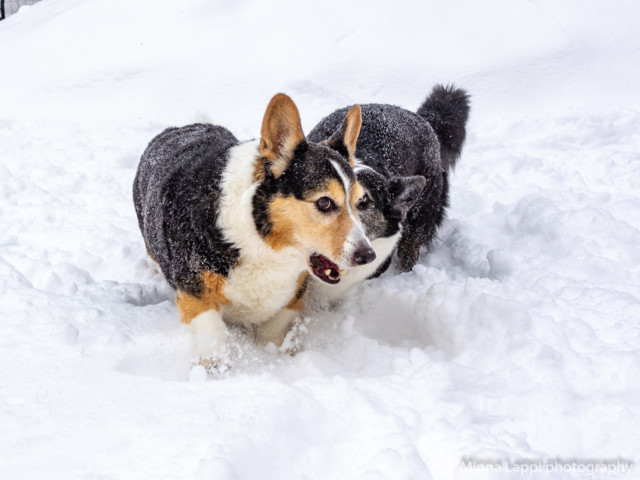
(327, 272)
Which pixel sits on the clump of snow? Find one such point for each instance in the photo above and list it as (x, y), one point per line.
(516, 337)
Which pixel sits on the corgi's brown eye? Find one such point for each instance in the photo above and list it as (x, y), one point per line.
(325, 205)
(365, 202)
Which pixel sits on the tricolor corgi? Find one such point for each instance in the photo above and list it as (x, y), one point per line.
(237, 228)
(403, 160)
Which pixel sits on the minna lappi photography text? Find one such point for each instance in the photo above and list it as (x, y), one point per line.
(614, 468)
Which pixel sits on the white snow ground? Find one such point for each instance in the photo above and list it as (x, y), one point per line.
(516, 338)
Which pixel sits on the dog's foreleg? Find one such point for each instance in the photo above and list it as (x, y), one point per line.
(210, 336)
(275, 329)
(204, 318)
(408, 253)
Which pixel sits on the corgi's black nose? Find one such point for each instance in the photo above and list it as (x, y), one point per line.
(364, 255)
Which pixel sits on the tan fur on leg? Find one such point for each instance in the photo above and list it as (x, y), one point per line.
(212, 298)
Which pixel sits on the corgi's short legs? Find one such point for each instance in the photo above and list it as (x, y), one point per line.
(275, 329)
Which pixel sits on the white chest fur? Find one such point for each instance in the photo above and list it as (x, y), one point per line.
(264, 280)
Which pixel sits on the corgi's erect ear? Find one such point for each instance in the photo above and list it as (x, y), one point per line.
(345, 138)
(281, 133)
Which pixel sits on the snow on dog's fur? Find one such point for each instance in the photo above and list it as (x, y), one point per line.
(237, 227)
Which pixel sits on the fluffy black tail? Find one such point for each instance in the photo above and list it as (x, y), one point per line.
(447, 110)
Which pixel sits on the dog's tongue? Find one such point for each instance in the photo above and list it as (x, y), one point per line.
(324, 269)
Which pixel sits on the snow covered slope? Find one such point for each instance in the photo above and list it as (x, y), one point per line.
(516, 338)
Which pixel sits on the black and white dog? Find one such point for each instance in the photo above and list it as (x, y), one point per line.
(403, 160)
(237, 228)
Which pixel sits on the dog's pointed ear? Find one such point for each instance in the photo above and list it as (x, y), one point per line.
(281, 133)
(405, 192)
(344, 139)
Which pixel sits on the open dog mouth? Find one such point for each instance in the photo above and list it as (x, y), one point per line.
(324, 269)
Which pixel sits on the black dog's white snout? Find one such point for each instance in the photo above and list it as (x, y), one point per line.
(364, 255)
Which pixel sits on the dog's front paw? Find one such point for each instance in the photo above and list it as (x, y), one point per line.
(293, 340)
(209, 365)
